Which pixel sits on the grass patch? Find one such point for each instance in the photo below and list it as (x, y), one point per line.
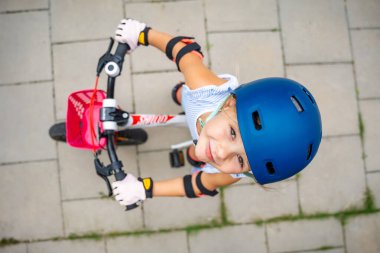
(361, 126)
(208, 46)
(88, 236)
(356, 88)
(223, 208)
(324, 248)
(8, 241)
(198, 227)
(369, 200)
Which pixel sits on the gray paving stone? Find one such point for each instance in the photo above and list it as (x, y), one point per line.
(311, 37)
(175, 18)
(371, 120)
(373, 180)
(84, 20)
(334, 90)
(78, 175)
(19, 248)
(29, 113)
(164, 137)
(73, 246)
(9, 5)
(257, 56)
(99, 216)
(366, 51)
(30, 210)
(153, 96)
(153, 93)
(75, 69)
(362, 234)
(247, 203)
(241, 15)
(175, 242)
(326, 186)
(363, 13)
(245, 238)
(304, 235)
(174, 212)
(156, 165)
(25, 55)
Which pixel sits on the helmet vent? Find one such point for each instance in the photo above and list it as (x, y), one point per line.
(270, 168)
(310, 97)
(309, 151)
(256, 120)
(297, 104)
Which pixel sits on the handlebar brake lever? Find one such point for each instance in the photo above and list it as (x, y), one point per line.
(103, 172)
(105, 58)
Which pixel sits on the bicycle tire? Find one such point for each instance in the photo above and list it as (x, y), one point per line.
(135, 136)
(58, 132)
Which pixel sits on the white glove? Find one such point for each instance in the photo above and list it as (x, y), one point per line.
(128, 31)
(128, 191)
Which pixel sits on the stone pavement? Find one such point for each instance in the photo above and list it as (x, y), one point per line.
(51, 199)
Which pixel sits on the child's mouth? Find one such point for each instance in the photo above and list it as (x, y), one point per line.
(208, 152)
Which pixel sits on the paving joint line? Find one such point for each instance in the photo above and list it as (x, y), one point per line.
(27, 83)
(319, 63)
(28, 161)
(23, 11)
(58, 43)
(281, 38)
(363, 28)
(159, 71)
(264, 30)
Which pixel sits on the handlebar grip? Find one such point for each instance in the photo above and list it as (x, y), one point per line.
(131, 207)
(122, 49)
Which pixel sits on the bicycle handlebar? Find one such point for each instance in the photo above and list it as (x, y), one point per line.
(116, 165)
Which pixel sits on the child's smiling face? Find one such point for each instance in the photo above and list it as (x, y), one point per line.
(220, 143)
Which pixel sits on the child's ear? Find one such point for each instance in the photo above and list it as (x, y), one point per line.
(231, 102)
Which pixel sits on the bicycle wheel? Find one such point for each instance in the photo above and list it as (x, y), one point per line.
(133, 136)
(58, 132)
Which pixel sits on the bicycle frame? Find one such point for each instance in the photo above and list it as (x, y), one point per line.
(154, 120)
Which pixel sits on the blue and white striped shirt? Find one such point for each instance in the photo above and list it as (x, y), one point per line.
(206, 99)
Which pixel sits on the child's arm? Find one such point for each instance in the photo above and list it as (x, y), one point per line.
(132, 190)
(175, 187)
(195, 72)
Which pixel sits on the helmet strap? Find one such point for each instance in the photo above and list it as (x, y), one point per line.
(214, 113)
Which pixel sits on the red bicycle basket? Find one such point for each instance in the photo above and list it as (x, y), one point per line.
(78, 124)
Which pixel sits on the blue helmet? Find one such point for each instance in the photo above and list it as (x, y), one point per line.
(280, 126)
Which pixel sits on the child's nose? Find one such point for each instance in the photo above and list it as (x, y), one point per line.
(223, 151)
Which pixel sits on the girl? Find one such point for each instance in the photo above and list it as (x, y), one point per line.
(268, 129)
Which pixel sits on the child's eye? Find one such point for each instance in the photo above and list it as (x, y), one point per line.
(241, 161)
(233, 133)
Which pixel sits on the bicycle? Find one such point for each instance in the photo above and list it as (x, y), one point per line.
(114, 126)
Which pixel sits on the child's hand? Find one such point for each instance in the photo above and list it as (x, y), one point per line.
(128, 191)
(128, 31)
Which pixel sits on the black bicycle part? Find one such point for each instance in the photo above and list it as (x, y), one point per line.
(58, 132)
(176, 158)
(118, 57)
(127, 137)
(134, 136)
(114, 114)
